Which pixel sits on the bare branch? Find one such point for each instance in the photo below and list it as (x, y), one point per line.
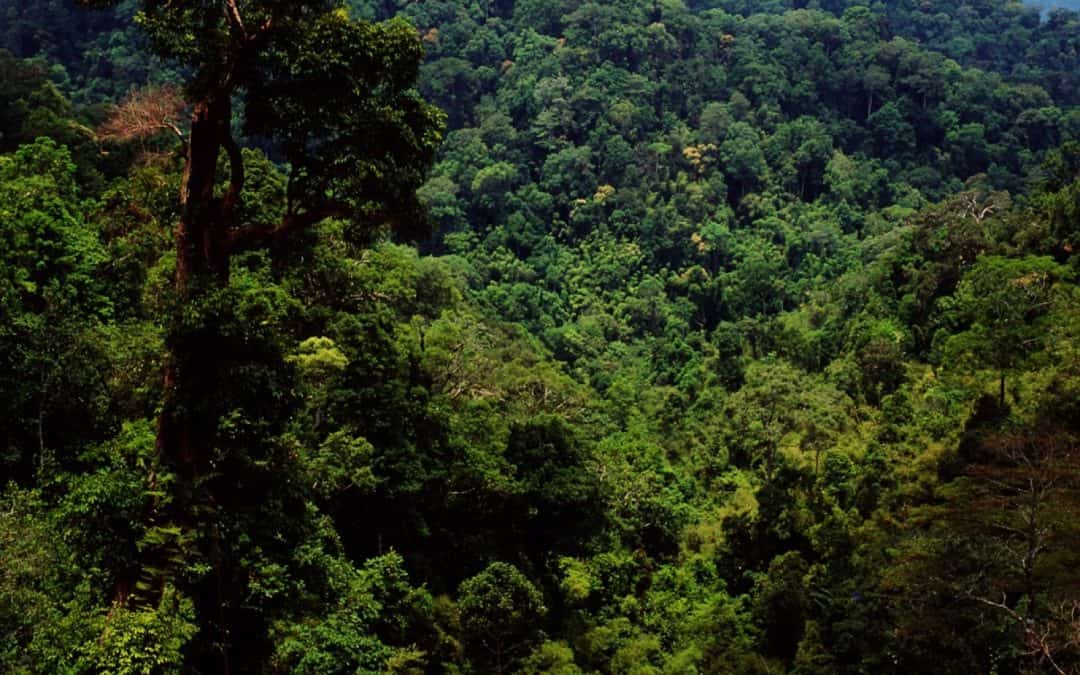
(143, 114)
(1037, 642)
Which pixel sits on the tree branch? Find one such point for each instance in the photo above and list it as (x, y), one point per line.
(254, 236)
(236, 175)
(144, 114)
(1038, 644)
(233, 12)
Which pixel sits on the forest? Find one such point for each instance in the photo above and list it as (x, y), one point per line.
(650, 337)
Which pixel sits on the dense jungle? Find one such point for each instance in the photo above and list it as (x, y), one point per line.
(539, 336)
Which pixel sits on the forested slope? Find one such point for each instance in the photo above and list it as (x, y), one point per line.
(744, 339)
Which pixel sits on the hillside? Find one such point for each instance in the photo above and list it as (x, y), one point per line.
(522, 336)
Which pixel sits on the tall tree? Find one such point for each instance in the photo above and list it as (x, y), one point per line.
(331, 97)
(1024, 499)
(1005, 301)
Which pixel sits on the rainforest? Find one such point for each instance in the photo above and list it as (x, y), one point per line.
(649, 337)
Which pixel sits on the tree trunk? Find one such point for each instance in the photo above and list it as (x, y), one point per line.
(191, 409)
(1001, 389)
(200, 233)
(184, 430)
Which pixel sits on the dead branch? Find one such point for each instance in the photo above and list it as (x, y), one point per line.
(143, 114)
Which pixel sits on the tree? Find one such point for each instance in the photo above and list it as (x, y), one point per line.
(1061, 193)
(778, 400)
(801, 151)
(1004, 300)
(500, 610)
(558, 494)
(893, 133)
(335, 98)
(1022, 496)
(50, 303)
(781, 603)
(742, 160)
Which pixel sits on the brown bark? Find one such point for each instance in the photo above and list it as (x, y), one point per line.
(199, 231)
(207, 235)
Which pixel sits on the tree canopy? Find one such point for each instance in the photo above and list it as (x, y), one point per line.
(532, 336)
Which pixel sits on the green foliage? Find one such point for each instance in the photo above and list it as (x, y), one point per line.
(145, 640)
(368, 144)
(373, 609)
(553, 658)
(700, 350)
(51, 300)
(500, 615)
(50, 253)
(1004, 300)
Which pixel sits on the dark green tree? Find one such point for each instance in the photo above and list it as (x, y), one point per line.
(335, 99)
(1004, 300)
(500, 615)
